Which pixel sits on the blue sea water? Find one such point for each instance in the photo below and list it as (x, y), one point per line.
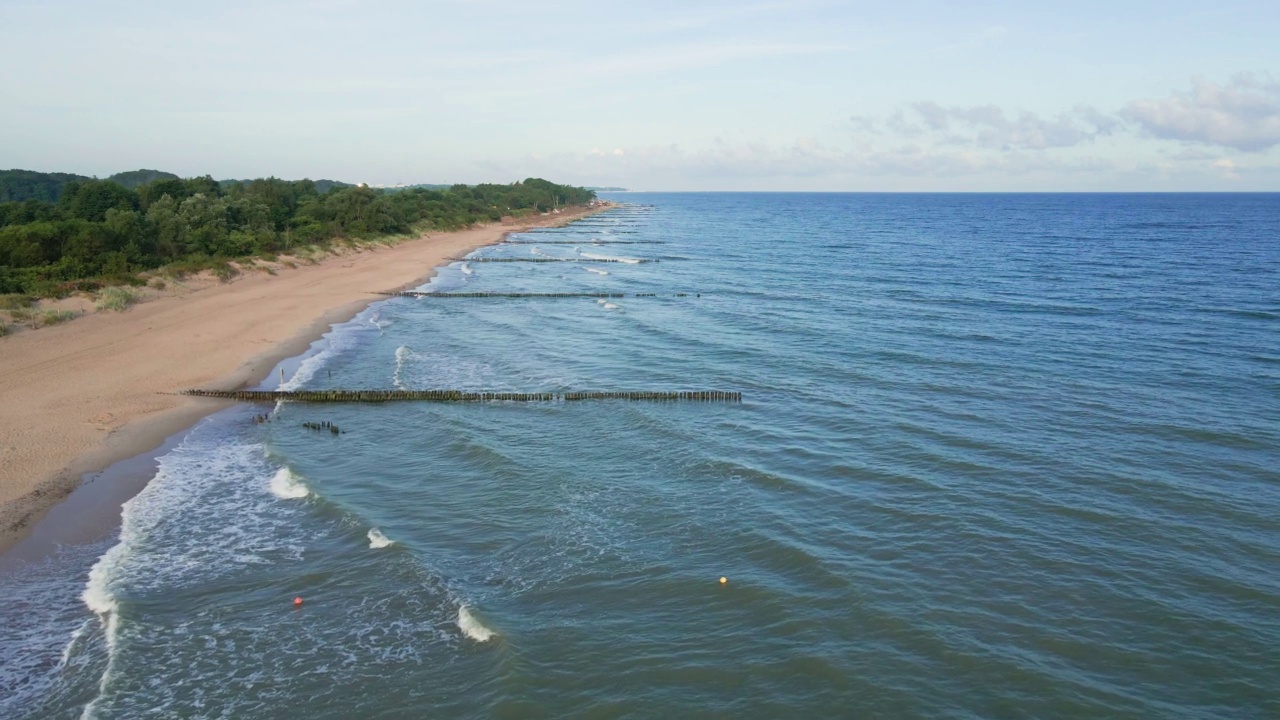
(998, 456)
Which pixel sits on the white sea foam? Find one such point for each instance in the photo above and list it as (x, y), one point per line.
(306, 370)
(596, 271)
(465, 268)
(601, 302)
(79, 633)
(610, 306)
(335, 342)
(404, 354)
(46, 638)
(471, 627)
(377, 540)
(288, 486)
(430, 367)
(375, 319)
(207, 482)
(98, 597)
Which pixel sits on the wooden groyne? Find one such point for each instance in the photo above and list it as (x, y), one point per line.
(566, 231)
(457, 396)
(416, 294)
(630, 261)
(587, 242)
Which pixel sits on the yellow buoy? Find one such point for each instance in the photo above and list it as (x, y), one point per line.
(724, 580)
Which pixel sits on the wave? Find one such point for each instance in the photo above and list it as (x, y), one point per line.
(342, 338)
(597, 271)
(465, 269)
(593, 256)
(415, 369)
(375, 319)
(307, 370)
(471, 627)
(288, 486)
(404, 354)
(98, 597)
(610, 306)
(210, 480)
(377, 540)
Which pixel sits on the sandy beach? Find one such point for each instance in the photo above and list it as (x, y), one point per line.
(80, 396)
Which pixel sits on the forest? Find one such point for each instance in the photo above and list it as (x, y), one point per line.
(85, 232)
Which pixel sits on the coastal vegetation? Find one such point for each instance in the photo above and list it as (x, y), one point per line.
(70, 233)
(19, 185)
(116, 298)
(38, 318)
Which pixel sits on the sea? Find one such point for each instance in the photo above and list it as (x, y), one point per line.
(996, 456)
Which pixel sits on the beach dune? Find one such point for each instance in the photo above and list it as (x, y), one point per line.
(76, 397)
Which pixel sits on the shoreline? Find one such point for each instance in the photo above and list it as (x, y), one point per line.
(83, 397)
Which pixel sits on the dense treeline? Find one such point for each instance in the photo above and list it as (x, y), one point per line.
(19, 185)
(322, 186)
(134, 178)
(99, 229)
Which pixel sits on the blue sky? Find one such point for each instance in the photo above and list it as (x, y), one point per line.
(913, 95)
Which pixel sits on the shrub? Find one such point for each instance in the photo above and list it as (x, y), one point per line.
(225, 271)
(36, 318)
(190, 265)
(15, 301)
(50, 289)
(158, 284)
(116, 298)
(86, 285)
(54, 317)
(24, 315)
(4, 329)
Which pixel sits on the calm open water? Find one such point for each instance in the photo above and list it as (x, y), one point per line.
(999, 456)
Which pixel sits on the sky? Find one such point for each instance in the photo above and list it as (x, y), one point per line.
(799, 95)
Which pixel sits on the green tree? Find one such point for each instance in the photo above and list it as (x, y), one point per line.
(206, 216)
(90, 200)
(169, 228)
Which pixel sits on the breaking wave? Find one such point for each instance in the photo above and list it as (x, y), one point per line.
(288, 486)
(471, 627)
(377, 540)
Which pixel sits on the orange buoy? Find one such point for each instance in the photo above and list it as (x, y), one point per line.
(297, 602)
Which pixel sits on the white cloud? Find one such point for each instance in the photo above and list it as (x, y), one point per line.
(1228, 169)
(806, 158)
(1243, 114)
(988, 126)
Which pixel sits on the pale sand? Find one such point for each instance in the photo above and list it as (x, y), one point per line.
(77, 397)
